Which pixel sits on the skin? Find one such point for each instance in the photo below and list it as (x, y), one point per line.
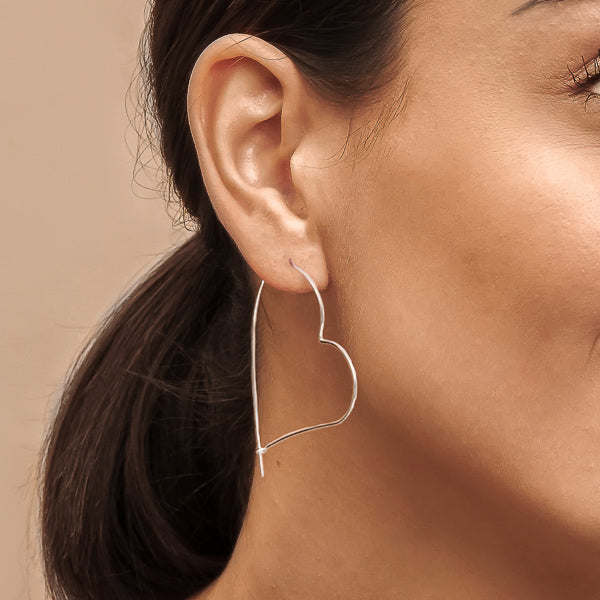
(459, 263)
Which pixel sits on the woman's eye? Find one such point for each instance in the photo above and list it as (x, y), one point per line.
(586, 79)
(594, 87)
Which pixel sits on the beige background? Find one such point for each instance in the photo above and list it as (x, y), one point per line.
(75, 230)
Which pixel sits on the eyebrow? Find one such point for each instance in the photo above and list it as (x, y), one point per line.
(530, 4)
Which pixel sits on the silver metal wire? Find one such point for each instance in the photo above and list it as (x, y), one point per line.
(261, 450)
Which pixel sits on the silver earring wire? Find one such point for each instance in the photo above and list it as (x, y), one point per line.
(260, 450)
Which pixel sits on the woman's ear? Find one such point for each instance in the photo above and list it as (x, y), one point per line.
(249, 108)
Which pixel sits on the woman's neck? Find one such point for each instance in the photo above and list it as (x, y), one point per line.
(365, 510)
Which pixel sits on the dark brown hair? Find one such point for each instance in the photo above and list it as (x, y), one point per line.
(148, 464)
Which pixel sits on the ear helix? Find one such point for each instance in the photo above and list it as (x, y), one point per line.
(261, 450)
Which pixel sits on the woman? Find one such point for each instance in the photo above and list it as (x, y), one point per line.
(433, 167)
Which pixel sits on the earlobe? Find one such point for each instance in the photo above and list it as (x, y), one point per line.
(248, 110)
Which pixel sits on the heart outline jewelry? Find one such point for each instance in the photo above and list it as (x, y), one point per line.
(261, 450)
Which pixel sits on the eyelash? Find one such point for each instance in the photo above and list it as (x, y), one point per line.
(583, 79)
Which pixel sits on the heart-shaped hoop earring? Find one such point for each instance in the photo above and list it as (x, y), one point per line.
(260, 450)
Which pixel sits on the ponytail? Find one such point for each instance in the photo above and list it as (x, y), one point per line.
(148, 466)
